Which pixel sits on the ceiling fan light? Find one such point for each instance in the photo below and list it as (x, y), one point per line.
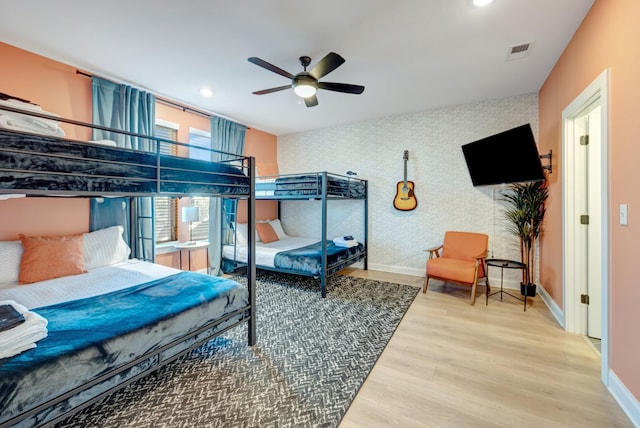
(481, 3)
(305, 90)
(304, 85)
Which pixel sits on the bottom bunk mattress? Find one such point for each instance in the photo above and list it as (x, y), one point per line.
(297, 255)
(112, 317)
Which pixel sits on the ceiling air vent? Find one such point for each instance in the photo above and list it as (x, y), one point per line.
(519, 51)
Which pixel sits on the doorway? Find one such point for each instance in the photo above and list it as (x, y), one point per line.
(585, 179)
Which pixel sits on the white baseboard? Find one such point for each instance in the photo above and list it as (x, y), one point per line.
(555, 310)
(397, 269)
(493, 281)
(625, 399)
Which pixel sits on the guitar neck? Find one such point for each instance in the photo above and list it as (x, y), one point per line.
(405, 173)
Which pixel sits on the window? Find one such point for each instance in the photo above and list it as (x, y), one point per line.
(166, 209)
(200, 228)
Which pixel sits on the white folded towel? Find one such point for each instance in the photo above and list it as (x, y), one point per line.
(12, 195)
(345, 241)
(18, 122)
(27, 107)
(14, 103)
(24, 122)
(23, 336)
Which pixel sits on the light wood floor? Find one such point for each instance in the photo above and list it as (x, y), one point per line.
(450, 364)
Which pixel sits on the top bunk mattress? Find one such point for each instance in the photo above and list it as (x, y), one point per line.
(310, 185)
(37, 164)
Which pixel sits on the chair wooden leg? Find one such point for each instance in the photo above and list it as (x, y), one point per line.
(473, 293)
(426, 284)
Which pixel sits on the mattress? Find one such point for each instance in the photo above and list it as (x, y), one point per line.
(32, 163)
(265, 254)
(96, 281)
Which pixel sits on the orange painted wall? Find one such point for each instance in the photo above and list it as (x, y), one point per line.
(607, 38)
(43, 216)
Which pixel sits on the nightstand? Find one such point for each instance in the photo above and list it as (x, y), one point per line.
(189, 247)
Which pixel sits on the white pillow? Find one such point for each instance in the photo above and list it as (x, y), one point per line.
(242, 235)
(277, 227)
(10, 256)
(104, 247)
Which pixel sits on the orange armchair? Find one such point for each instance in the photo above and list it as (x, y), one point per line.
(460, 259)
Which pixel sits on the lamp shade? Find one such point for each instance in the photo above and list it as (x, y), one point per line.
(190, 214)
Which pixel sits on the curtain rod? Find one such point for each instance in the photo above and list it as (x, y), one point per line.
(172, 103)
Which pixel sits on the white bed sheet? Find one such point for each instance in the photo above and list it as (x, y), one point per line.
(97, 281)
(266, 253)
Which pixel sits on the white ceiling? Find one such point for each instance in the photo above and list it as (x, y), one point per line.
(411, 55)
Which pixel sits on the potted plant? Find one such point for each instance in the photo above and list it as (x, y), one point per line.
(525, 212)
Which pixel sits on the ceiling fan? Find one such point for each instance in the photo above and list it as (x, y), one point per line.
(305, 84)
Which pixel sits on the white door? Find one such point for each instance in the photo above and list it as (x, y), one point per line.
(585, 190)
(588, 200)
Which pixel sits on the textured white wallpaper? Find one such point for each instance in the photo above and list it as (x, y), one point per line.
(446, 198)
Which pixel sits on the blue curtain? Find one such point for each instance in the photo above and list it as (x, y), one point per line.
(226, 136)
(128, 109)
(124, 108)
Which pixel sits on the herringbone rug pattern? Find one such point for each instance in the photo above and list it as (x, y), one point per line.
(311, 358)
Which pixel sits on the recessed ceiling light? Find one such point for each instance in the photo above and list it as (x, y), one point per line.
(206, 92)
(481, 3)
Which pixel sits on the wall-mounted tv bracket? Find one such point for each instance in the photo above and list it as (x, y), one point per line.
(550, 166)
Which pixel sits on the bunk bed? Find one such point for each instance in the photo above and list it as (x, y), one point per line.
(298, 255)
(100, 334)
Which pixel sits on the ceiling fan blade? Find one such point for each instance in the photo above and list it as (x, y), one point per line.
(270, 90)
(264, 64)
(326, 65)
(341, 87)
(311, 101)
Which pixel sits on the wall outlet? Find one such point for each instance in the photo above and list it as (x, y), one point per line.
(623, 215)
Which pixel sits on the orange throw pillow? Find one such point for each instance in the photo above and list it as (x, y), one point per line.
(266, 232)
(48, 257)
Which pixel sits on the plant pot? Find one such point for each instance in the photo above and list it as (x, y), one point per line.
(528, 290)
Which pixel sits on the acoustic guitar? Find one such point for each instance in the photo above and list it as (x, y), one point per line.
(405, 199)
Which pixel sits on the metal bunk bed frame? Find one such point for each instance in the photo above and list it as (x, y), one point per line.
(323, 193)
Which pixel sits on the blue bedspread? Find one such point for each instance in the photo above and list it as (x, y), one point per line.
(308, 259)
(88, 337)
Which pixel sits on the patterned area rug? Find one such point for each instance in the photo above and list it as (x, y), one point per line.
(311, 357)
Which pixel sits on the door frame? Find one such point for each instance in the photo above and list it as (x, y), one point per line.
(575, 321)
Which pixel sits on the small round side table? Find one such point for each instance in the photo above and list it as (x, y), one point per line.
(505, 264)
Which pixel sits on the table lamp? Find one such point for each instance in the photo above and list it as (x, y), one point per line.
(190, 214)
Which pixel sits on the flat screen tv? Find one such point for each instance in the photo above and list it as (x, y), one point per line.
(508, 157)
